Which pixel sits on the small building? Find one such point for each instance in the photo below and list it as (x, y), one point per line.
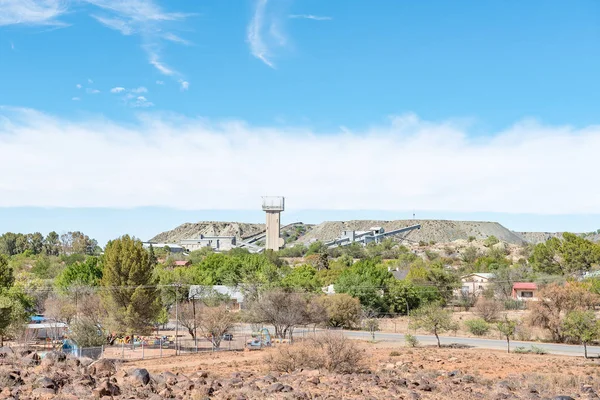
(47, 330)
(182, 263)
(329, 289)
(526, 291)
(217, 243)
(399, 274)
(235, 298)
(173, 248)
(476, 283)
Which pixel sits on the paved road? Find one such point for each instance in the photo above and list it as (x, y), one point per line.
(493, 344)
(562, 349)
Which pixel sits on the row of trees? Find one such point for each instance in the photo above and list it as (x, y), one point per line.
(53, 244)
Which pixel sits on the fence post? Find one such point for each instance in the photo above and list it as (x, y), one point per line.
(102, 352)
(123, 350)
(160, 341)
(142, 349)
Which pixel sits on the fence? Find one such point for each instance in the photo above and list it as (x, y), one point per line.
(158, 348)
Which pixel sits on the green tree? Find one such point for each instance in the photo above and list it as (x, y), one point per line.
(37, 243)
(87, 273)
(555, 302)
(129, 294)
(7, 278)
(507, 328)
(316, 248)
(403, 296)
(545, 257)
(367, 281)
(434, 319)
(578, 254)
(343, 310)
(581, 326)
(52, 244)
(303, 278)
(443, 280)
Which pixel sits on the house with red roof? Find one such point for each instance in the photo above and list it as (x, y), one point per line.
(182, 263)
(526, 291)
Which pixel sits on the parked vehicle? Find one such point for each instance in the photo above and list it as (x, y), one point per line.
(228, 337)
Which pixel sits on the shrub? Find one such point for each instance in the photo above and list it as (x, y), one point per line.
(477, 326)
(411, 341)
(490, 241)
(488, 309)
(512, 304)
(330, 351)
(471, 239)
(431, 255)
(86, 334)
(532, 350)
(523, 333)
(394, 353)
(538, 350)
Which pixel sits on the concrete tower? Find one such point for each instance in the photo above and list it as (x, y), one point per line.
(273, 206)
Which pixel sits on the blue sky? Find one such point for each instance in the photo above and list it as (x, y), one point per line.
(458, 109)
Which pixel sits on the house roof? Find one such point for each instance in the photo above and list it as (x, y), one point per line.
(50, 325)
(525, 285)
(401, 274)
(486, 275)
(232, 292)
(182, 262)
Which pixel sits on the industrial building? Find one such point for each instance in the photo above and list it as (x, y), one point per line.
(217, 243)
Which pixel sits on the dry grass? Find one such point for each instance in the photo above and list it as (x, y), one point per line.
(330, 351)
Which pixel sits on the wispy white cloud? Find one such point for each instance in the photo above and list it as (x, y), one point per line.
(310, 16)
(115, 23)
(146, 19)
(117, 89)
(174, 38)
(78, 86)
(506, 171)
(90, 81)
(76, 99)
(32, 12)
(160, 82)
(92, 91)
(131, 97)
(154, 59)
(142, 102)
(184, 85)
(258, 48)
(12, 46)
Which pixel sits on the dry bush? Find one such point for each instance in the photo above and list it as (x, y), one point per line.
(330, 351)
(488, 309)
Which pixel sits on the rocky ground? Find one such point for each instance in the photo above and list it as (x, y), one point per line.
(422, 373)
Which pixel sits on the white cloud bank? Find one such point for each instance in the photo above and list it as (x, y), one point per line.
(173, 161)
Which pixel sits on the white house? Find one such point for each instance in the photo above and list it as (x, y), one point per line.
(476, 283)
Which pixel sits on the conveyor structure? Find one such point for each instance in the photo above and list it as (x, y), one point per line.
(375, 234)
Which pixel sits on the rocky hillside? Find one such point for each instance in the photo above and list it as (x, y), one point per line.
(193, 231)
(431, 230)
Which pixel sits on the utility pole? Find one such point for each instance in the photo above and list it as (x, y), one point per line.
(407, 316)
(176, 319)
(195, 322)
